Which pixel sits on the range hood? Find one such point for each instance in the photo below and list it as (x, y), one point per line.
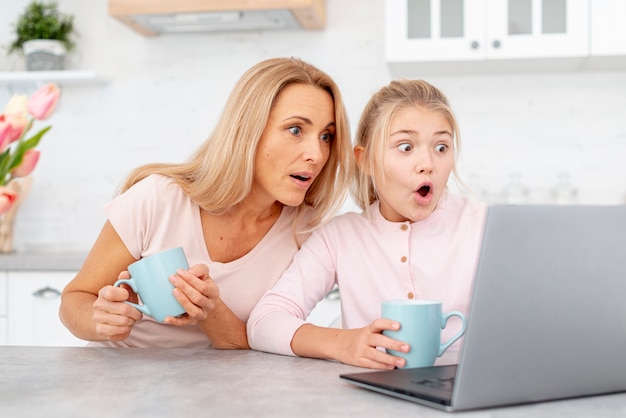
(153, 17)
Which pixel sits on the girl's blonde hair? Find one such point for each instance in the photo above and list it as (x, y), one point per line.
(219, 174)
(374, 129)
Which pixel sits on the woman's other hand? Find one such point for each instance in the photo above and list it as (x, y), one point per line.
(196, 292)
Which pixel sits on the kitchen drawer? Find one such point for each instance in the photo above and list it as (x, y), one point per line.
(3, 294)
(3, 331)
(33, 309)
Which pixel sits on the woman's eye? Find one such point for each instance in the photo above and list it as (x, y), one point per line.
(295, 130)
(441, 148)
(327, 137)
(405, 147)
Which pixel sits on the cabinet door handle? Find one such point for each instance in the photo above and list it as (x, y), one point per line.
(47, 293)
(475, 45)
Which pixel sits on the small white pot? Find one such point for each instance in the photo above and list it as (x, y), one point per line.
(44, 55)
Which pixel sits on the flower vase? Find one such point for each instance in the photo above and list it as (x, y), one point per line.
(7, 220)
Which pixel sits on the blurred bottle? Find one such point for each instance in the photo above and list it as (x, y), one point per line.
(564, 192)
(514, 192)
(476, 188)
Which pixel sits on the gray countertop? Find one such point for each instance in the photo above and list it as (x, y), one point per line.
(42, 261)
(106, 382)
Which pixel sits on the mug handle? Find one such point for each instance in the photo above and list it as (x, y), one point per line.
(131, 283)
(444, 321)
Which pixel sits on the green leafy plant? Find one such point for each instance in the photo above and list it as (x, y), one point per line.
(43, 21)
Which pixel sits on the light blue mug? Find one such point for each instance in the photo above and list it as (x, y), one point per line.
(149, 278)
(421, 323)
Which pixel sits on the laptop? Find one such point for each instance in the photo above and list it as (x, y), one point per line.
(547, 319)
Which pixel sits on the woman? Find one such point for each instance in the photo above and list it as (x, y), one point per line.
(276, 165)
(414, 240)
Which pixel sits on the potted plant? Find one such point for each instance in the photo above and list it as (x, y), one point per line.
(44, 36)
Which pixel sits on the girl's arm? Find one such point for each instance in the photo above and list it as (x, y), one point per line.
(351, 346)
(285, 307)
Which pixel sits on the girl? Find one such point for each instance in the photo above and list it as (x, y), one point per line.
(413, 239)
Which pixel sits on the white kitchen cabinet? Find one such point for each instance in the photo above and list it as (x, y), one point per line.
(3, 331)
(485, 31)
(608, 30)
(33, 300)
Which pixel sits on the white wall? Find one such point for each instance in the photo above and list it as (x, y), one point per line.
(164, 95)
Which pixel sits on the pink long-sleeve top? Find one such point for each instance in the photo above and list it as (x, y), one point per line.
(373, 260)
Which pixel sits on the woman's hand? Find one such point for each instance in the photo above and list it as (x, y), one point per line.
(114, 319)
(358, 347)
(196, 292)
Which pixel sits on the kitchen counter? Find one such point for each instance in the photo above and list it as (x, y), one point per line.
(105, 382)
(42, 261)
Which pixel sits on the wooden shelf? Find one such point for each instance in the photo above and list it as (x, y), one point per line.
(65, 77)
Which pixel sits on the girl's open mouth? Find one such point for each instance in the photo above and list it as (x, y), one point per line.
(423, 191)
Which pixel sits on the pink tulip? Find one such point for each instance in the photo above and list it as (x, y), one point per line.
(43, 102)
(10, 130)
(16, 117)
(29, 162)
(7, 197)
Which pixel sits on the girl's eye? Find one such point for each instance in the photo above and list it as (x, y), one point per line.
(327, 137)
(441, 148)
(405, 147)
(295, 130)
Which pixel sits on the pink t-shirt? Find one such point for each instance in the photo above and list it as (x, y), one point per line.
(373, 260)
(155, 215)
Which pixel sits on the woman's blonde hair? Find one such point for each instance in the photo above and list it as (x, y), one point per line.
(219, 174)
(374, 129)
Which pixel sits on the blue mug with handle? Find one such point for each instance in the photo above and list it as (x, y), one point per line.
(149, 278)
(421, 323)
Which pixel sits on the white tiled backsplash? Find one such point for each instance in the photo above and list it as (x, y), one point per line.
(165, 94)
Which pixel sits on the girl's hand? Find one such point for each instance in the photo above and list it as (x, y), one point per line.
(196, 292)
(114, 319)
(358, 347)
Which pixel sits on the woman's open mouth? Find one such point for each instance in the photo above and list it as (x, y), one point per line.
(301, 178)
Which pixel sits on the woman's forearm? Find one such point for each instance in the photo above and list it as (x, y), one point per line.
(76, 313)
(224, 329)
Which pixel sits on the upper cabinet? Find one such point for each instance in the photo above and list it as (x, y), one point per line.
(608, 31)
(488, 35)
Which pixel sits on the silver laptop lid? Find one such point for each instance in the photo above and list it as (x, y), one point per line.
(548, 315)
